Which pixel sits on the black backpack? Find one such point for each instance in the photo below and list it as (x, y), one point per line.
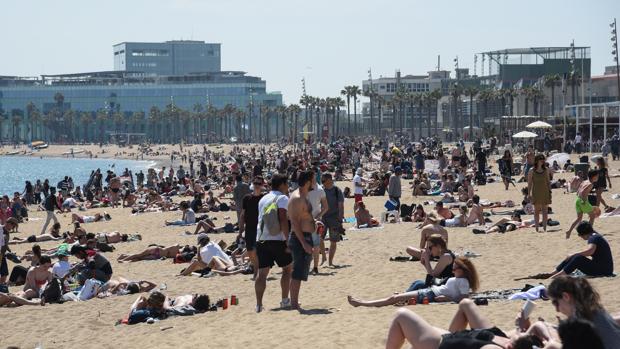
(53, 291)
(406, 210)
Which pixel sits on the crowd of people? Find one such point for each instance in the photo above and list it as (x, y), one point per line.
(289, 201)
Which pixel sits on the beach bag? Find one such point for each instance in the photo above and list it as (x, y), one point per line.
(271, 219)
(391, 205)
(53, 291)
(406, 210)
(89, 290)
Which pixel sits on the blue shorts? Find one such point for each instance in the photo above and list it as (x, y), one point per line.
(301, 259)
(426, 293)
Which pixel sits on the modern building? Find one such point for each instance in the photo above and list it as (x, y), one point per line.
(168, 58)
(184, 75)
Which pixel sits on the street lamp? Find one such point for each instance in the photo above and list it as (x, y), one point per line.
(614, 52)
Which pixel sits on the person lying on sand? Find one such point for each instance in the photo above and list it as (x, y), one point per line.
(122, 286)
(409, 326)
(212, 256)
(157, 305)
(53, 234)
(506, 224)
(90, 219)
(456, 288)
(151, 253)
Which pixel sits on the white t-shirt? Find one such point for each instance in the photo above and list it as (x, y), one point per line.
(455, 289)
(314, 197)
(282, 202)
(69, 202)
(88, 219)
(211, 250)
(356, 189)
(190, 216)
(61, 268)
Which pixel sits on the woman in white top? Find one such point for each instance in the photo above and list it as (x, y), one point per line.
(458, 287)
(459, 221)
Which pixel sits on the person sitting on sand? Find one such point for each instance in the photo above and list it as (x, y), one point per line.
(442, 211)
(601, 263)
(437, 251)
(430, 228)
(151, 253)
(212, 256)
(409, 326)
(582, 205)
(189, 216)
(363, 217)
(418, 215)
(475, 211)
(36, 279)
(459, 220)
(90, 219)
(456, 288)
(212, 203)
(94, 265)
(466, 191)
(122, 286)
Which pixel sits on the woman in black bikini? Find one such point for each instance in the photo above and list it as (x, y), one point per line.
(409, 326)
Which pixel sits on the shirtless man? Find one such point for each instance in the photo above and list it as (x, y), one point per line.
(300, 241)
(529, 160)
(115, 188)
(466, 191)
(363, 216)
(432, 227)
(582, 205)
(475, 212)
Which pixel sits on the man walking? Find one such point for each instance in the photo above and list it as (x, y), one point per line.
(332, 219)
(50, 205)
(300, 241)
(394, 188)
(271, 240)
(248, 221)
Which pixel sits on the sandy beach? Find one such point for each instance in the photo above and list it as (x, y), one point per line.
(329, 321)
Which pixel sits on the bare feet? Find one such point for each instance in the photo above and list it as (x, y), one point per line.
(354, 301)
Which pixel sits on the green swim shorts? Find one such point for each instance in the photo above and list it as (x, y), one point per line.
(583, 206)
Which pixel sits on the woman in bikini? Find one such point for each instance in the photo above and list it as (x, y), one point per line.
(151, 253)
(54, 234)
(36, 279)
(123, 287)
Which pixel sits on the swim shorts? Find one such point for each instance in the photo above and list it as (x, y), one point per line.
(583, 206)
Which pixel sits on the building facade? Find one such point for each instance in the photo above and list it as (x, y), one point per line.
(168, 58)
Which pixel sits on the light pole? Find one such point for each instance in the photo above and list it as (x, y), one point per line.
(614, 45)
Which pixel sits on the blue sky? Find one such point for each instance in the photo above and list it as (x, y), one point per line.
(330, 43)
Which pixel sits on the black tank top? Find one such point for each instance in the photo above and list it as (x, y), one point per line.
(470, 339)
(445, 274)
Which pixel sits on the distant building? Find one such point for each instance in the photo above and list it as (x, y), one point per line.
(183, 74)
(167, 58)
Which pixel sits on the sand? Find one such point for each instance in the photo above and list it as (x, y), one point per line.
(330, 322)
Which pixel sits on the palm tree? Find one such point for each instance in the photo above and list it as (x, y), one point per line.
(30, 108)
(102, 117)
(212, 114)
(371, 94)
(198, 112)
(435, 96)
(455, 93)
(380, 101)
(85, 120)
(239, 114)
(68, 119)
(471, 92)
(400, 97)
(526, 93)
(155, 123)
(551, 81)
(355, 92)
(294, 109)
(537, 95)
(347, 93)
(412, 99)
(264, 114)
(430, 102)
(16, 121)
(338, 103)
(511, 93)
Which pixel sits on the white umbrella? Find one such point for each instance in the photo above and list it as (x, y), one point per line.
(561, 158)
(539, 124)
(524, 134)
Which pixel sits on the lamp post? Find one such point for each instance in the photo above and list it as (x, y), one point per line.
(614, 52)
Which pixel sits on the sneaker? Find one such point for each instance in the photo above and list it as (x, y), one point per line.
(285, 303)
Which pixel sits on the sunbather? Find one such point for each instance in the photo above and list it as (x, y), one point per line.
(151, 253)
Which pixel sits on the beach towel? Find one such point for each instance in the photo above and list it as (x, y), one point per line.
(365, 229)
(350, 220)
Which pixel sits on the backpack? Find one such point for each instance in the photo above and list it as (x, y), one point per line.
(53, 291)
(406, 210)
(271, 219)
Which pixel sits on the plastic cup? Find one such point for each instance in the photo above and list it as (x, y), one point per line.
(225, 303)
(233, 300)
